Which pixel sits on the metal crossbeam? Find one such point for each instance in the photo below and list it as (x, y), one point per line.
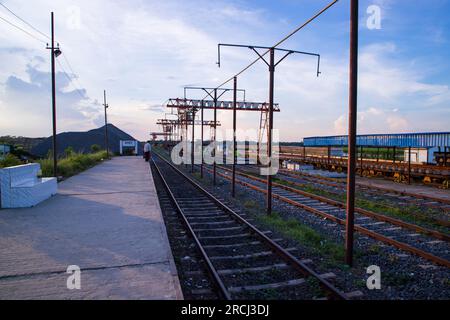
(160, 133)
(165, 122)
(221, 105)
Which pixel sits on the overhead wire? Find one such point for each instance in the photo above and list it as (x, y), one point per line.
(74, 79)
(24, 21)
(71, 80)
(23, 30)
(278, 43)
(75, 75)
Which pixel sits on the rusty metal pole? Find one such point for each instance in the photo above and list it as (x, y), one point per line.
(445, 156)
(233, 184)
(409, 165)
(353, 109)
(193, 141)
(329, 156)
(361, 161)
(393, 157)
(215, 134)
(201, 164)
(269, 134)
(186, 136)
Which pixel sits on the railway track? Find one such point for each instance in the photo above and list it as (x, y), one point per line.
(437, 214)
(243, 262)
(428, 244)
(405, 198)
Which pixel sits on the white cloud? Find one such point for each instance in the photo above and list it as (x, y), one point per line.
(143, 52)
(341, 125)
(383, 76)
(374, 120)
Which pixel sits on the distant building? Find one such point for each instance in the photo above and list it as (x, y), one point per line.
(129, 147)
(4, 150)
(426, 147)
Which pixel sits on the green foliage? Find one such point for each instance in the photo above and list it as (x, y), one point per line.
(95, 148)
(250, 204)
(72, 164)
(294, 229)
(10, 160)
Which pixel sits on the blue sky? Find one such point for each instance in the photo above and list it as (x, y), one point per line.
(144, 52)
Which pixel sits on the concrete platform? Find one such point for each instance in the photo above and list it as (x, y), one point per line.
(107, 221)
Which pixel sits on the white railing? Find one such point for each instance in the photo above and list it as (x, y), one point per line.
(20, 186)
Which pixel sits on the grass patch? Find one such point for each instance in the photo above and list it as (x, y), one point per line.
(293, 229)
(72, 164)
(396, 280)
(250, 204)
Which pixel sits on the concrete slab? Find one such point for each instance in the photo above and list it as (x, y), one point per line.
(107, 221)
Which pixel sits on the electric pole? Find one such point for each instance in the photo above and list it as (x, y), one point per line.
(55, 52)
(352, 120)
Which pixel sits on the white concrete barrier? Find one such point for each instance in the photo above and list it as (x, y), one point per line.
(20, 186)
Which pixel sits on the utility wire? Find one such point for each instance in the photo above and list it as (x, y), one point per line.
(23, 30)
(24, 21)
(280, 42)
(75, 76)
(71, 80)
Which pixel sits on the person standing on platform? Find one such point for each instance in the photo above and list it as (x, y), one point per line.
(147, 151)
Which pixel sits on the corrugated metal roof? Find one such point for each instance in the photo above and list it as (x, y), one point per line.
(401, 140)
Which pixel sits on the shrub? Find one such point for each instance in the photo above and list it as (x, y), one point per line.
(72, 164)
(10, 160)
(95, 148)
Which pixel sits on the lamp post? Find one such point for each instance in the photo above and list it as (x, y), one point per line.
(54, 53)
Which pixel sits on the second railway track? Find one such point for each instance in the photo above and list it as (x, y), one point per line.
(400, 197)
(422, 244)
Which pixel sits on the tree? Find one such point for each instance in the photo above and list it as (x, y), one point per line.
(10, 160)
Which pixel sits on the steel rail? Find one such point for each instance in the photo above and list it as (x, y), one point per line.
(211, 269)
(332, 291)
(403, 193)
(371, 189)
(391, 167)
(372, 234)
(364, 212)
